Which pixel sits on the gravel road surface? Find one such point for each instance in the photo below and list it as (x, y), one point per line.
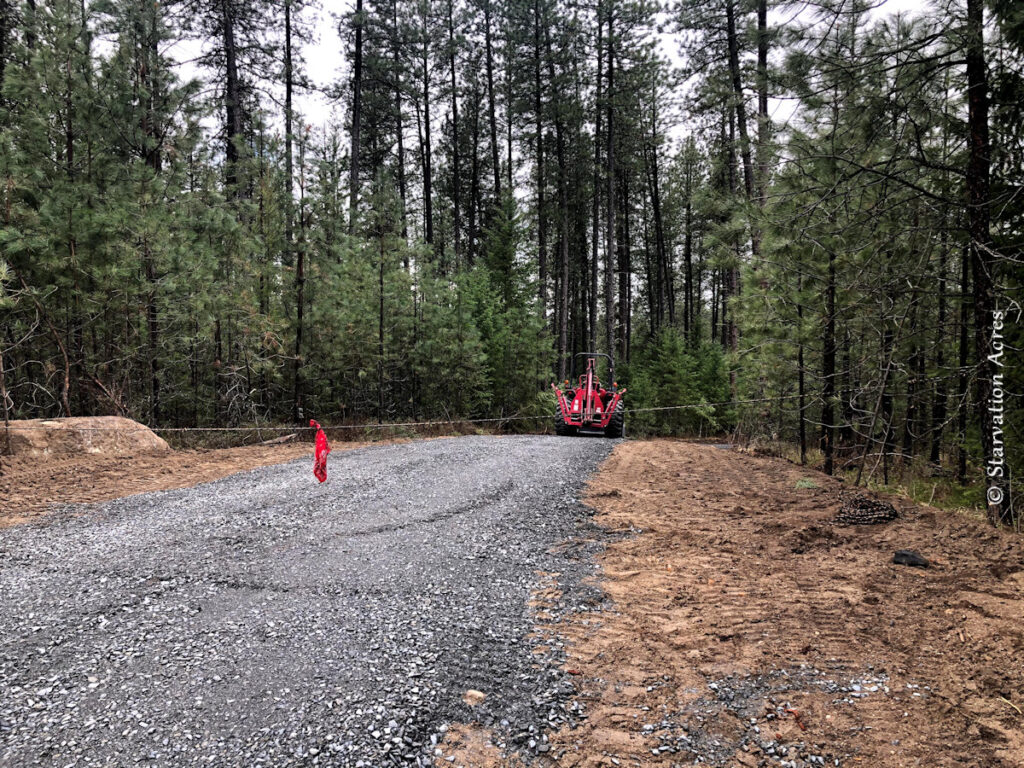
(263, 619)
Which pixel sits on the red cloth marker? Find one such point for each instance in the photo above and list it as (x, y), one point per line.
(322, 449)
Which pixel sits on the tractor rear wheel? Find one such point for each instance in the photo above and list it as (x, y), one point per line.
(561, 428)
(617, 423)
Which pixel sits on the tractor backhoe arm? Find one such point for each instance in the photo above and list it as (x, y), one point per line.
(588, 408)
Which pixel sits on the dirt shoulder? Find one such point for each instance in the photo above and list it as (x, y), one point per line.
(31, 486)
(747, 630)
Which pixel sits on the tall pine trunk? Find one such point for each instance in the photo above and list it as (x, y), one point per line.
(300, 298)
(828, 369)
(403, 193)
(6, 27)
(801, 386)
(491, 109)
(542, 245)
(625, 258)
(983, 264)
(763, 122)
(741, 114)
(380, 328)
(911, 417)
(289, 212)
(939, 394)
(596, 198)
(666, 278)
(233, 107)
(428, 171)
(149, 59)
(357, 114)
(475, 202)
(289, 237)
(562, 313)
(456, 177)
(964, 357)
(689, 328)
(610, 210)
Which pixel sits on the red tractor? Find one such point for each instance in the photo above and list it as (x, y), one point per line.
(589, 408)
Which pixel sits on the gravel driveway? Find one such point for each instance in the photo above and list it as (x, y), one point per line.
(266, 620)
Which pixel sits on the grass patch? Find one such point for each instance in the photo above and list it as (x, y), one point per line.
(941, 492)
(919, 481)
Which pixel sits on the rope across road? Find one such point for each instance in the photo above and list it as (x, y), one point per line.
(401, 424)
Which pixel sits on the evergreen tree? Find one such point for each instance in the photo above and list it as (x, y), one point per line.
(513, 182)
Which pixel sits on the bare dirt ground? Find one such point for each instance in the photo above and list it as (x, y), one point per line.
(747, 630)
(29, 486)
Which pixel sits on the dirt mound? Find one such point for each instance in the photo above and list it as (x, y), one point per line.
(105, 435)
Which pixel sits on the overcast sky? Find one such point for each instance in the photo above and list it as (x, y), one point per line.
(325, 61)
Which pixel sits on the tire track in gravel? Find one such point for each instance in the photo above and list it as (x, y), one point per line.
(492, 497)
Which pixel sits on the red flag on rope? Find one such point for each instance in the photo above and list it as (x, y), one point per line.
(322, 449)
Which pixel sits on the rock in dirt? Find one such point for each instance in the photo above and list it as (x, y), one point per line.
(106, 435)
(909, 557)
(474, 697)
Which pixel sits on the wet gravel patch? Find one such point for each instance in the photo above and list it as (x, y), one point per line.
(752, 705)
(263, 619)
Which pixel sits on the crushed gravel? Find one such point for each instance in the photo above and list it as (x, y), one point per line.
(263, 619)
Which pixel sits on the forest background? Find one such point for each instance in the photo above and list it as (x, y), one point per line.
(800, 220)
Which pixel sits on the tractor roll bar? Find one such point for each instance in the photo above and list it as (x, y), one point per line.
(611, 362)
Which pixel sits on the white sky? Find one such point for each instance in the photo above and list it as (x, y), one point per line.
(326, 64)
(325, 61)
(782, 110)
